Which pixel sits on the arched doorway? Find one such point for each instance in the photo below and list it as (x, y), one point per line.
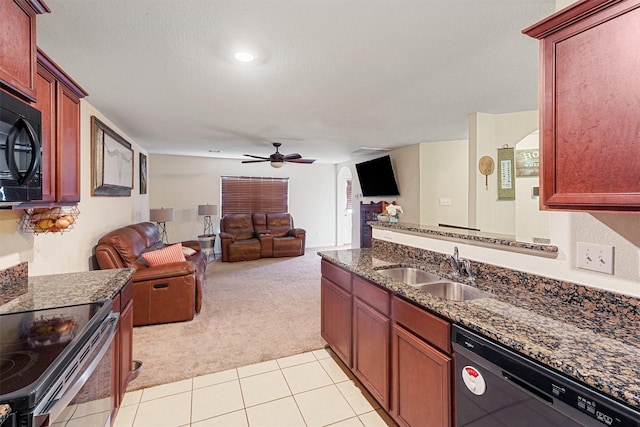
(344, 207)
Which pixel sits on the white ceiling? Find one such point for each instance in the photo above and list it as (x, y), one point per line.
(331, 75)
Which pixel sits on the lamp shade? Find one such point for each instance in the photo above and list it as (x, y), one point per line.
(161, 215)
(207, 209)
(277, 165)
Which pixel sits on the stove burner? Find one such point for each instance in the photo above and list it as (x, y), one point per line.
(16, 363)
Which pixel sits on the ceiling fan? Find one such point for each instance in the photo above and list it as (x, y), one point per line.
(278, 159)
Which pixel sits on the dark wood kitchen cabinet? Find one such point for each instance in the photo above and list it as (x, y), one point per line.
(400, 352)
(18, 45)
(368, 212)
(336, 309)
(58, 99)
(371, 338)
(589, 91)
(421, 367)
(123, 356)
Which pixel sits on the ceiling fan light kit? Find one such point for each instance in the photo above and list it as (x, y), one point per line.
(244, 56)
(278, 159)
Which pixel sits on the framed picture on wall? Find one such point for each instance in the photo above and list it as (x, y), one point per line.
(143, 174)
(111, 161)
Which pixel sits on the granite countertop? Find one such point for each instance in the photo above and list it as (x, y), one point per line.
(469, 236)
(597, 349)
(58, 290)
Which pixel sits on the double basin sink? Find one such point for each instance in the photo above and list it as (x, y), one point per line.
(434, 284)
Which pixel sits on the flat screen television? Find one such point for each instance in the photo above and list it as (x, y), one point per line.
(377, 178)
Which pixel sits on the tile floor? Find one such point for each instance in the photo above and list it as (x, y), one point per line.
(308, 389)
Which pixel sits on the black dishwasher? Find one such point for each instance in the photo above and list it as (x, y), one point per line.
(496, 387)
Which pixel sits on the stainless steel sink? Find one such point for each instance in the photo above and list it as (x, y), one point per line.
(454, 291)
(410, 276)
(434, 284)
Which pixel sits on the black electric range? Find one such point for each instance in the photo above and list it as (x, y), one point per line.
(36, 346)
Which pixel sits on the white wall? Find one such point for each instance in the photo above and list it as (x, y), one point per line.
(183, 183)
(531, 222)
(444, 174)
(406, 165)
(492, 131)
(70, 251)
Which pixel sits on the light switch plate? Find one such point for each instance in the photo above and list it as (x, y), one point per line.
(595, 257)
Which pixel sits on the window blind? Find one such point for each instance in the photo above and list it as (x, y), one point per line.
(242, 194)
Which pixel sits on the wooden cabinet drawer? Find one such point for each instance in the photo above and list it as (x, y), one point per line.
(336, 274)
(372, 294)
(426, 325)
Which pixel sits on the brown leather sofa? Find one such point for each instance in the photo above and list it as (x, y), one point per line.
(247, 237)
(162, 293)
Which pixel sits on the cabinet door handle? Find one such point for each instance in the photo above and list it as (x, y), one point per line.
(161, 286)
(526, 387)
(22, 124)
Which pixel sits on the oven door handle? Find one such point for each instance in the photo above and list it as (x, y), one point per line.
(22, 124)
(65, 389)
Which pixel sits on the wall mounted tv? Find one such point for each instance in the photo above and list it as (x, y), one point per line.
(377, 178)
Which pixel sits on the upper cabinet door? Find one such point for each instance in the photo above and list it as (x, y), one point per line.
(590, 106)
(58, 99)
(68, 146)
(46, 93)
(18, 45)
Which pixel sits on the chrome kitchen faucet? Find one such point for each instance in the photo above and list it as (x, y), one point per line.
(460, 265)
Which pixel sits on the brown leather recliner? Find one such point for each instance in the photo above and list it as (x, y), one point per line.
(286, 240)
(163, 293)
(247, 237)
(238, 239)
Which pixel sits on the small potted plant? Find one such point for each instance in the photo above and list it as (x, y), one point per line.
(393, 211)
(390, 213)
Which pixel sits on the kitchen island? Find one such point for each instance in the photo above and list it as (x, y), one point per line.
(587, 334)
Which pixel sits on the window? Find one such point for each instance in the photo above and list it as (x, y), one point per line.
(242, 194)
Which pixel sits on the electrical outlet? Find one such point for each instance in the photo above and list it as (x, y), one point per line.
(445, 201)
(595, 257)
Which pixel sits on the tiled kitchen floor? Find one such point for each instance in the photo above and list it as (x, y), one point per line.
(308, 389)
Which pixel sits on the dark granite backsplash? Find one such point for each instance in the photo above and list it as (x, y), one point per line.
(593, 300)
(14, 281)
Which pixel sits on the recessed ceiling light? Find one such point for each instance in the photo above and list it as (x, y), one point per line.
(244, 56)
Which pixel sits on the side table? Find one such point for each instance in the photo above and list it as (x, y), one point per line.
(207, 243)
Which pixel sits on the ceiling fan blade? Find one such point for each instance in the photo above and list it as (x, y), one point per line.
(305, 161)
(255, 161)
(257, 157)
(292, 156)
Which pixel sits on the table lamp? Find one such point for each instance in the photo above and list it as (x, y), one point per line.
(207, 211)
(161, 216)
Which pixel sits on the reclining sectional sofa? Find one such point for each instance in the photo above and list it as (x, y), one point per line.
(167, 284)
(245, 237)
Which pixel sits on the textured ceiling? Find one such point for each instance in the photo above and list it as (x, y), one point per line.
(331, 75)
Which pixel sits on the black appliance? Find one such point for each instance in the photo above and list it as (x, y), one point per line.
(20, 151)
(376, 177)
(496, 387)
(53, 361)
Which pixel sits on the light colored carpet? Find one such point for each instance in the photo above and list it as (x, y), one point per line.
(252, 312)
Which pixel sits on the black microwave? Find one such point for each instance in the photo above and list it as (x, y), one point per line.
(20, 152)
